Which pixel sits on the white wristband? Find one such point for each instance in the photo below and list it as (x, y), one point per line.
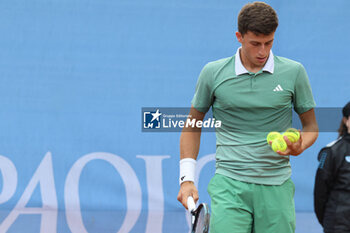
(187, 170)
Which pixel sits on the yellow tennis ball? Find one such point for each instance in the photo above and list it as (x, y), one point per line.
(291, 137)
(272, 136)
(279, 144)
(292, 134)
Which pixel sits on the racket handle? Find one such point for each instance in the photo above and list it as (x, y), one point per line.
(190, 204)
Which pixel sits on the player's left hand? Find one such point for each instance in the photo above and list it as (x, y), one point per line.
(295, 148)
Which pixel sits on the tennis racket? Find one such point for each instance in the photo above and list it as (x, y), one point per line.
(200, 216)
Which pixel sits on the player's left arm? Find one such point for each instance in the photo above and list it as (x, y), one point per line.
(308, 134)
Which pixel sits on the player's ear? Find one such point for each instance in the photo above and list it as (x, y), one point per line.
(239, 37)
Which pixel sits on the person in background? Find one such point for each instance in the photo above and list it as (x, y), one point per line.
(332, 182)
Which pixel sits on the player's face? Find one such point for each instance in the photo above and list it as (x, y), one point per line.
(255, 49)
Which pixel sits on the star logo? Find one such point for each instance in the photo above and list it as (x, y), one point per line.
(156, 115)
(151, 119)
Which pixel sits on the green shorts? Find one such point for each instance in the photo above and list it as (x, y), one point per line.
(239, 207)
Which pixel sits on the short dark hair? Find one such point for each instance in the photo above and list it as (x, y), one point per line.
(346, 110)
(346, 113)
(257, 17)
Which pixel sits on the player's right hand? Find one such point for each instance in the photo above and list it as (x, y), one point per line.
(187, 189)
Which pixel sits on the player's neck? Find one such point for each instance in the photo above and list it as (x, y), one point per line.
(251, 67)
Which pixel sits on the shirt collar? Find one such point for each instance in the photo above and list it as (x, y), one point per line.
(240, 69)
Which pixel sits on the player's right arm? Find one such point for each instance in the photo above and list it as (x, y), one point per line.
(189, 148)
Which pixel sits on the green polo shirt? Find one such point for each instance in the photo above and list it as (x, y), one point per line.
(250, 105)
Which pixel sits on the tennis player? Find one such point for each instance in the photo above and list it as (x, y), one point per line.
(251, 93)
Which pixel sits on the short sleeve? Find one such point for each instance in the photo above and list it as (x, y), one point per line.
(303, 100)
(203, 96)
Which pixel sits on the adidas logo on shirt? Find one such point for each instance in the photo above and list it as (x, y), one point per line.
(278, 88)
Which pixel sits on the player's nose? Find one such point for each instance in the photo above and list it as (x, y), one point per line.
(262, 51)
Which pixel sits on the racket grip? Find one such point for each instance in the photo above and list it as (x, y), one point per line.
(190, 204)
